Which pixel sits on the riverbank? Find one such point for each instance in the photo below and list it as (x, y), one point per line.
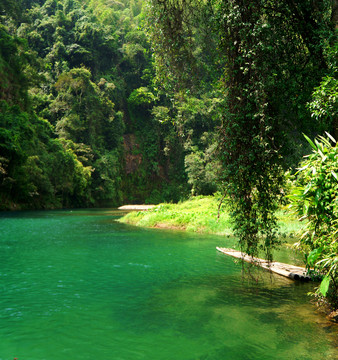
(202, 215)
(136, 207)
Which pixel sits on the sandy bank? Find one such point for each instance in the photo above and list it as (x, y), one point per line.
(136, 207)
(169, 226)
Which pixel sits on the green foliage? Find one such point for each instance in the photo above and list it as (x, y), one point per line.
(199, 214)
(77, 60)
(194, 120)
(80, 78)
(315, 199)
(325, 99)
(185, 47)
(37, 171)
(85, 115)
(154, 157)
(265, 60)
(324, 103)
(14, 83)
(16, 133)
(203, 169)
(107, 178)
(141, 97)
(69, 178)
(250, 137)
(84, 111)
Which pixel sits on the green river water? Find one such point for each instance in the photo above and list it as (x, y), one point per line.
(78, 285)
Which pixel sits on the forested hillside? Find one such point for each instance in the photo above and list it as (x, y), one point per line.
(105, 102)
(78, 125)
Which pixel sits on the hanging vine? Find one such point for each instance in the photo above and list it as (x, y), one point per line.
(268, 50)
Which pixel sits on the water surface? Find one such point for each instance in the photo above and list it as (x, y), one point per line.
(79, 285)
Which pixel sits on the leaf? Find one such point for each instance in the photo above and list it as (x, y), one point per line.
(334, 175)
(322, 155)
(331, 137)
(310, 142)
(324, 141)
(304, 167)
(313, 256)
(307, 189)
(324, 285)
(317, 196)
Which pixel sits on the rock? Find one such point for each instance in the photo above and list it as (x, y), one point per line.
(333, 316)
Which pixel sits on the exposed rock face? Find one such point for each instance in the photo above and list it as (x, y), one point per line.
(133, 156)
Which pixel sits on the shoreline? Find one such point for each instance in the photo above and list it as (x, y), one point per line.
(136, 207)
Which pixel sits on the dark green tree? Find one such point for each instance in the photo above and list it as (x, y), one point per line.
(31, 160)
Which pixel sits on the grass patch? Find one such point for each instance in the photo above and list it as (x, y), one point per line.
(200, 214)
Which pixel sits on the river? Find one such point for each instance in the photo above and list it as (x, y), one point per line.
(79, 285)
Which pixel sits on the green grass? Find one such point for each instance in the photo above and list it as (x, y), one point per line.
(200, 214)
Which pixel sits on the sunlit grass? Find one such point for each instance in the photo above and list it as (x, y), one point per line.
(200, 214)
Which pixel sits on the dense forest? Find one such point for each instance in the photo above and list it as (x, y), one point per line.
(81, 122)
(99, 106)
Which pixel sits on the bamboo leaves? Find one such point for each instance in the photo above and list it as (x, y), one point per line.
(316, 199)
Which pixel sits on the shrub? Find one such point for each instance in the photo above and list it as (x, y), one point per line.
(315, 199)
